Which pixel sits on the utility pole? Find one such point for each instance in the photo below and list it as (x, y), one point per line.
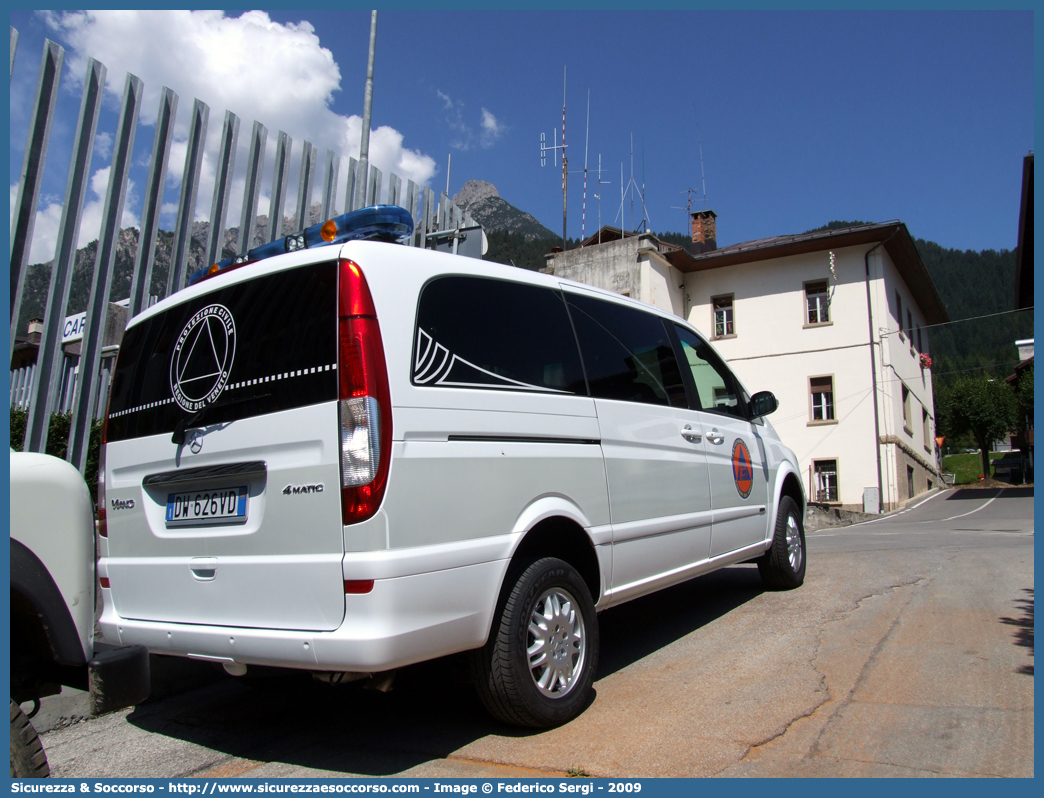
(363, 170)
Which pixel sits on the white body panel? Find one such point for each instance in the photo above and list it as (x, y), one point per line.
(52, 515)
(472, 471)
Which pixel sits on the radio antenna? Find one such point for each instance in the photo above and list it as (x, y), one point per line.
(544, 149)
(587, 139)
(699, 142)
(598, 196)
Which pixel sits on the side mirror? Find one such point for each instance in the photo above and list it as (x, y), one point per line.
(762, 403)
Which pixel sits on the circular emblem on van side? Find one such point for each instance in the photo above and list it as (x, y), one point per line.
(742, 469)
(202, 358)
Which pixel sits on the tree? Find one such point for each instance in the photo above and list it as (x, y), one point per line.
(1024, 397)
(983, 406)
(58, 441)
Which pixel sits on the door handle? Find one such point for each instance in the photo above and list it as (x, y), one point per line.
(715, 437)
(204, 569)
(691, 435)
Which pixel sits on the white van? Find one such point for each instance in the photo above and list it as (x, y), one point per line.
(351, 458)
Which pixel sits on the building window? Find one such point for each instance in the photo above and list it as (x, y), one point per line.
(920, 347)
(909, 327)
(724, 323)
(899, 314)
(825, 480)
(927, 422)
(821, 393)
(817, 303)
(910, 481)
(906, 410)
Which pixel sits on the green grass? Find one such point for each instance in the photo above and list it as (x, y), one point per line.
(966, 467)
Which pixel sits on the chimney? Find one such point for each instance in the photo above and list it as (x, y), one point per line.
(704, 232)
(35, 330)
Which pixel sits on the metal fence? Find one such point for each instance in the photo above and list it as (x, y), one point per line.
(78, 383)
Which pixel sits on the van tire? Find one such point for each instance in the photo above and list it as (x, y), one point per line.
(28, 759)
(782, 567)
(505, 680)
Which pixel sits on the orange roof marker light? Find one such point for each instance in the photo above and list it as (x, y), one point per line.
(376, 223)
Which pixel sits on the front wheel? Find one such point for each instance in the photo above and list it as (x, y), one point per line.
(782, 567)
(537, 669)
(28, 760)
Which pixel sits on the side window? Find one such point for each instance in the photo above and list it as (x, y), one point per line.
(715, 386)
(627, 353)
(474, 332)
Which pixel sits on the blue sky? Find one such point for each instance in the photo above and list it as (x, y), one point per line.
(804, 117)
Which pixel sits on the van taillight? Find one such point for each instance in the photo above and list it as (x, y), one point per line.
(365, 400)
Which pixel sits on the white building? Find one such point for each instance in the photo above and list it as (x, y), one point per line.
(797, 315)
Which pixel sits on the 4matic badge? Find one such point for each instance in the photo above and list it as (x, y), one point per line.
(202, 358)
(296, 490)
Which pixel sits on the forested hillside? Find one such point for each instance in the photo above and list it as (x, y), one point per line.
(971, 285)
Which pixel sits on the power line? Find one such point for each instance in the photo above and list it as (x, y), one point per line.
(978, 368)
(976, 318)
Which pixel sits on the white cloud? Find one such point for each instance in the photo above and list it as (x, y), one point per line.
(464, 136)
(91, 220)
(103, 145)
(491, 129)
(260, 70)
(48, 219)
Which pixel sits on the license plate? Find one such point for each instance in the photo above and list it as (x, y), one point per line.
(199, 507)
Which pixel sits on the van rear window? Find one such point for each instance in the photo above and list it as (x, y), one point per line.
(257, 347)
(476, 332)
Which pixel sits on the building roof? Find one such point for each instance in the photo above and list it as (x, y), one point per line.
(894, 235)
(606, 234)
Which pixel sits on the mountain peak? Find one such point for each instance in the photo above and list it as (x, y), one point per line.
(483, 203)
(475, 191)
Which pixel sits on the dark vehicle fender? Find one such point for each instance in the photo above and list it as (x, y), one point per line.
(31, 580)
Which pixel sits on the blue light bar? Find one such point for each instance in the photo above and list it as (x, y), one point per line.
(377, 222)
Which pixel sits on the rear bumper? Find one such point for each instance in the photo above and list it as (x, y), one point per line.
(117, 677)
(403, 620)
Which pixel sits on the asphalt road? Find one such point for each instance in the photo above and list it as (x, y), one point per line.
(907, 652)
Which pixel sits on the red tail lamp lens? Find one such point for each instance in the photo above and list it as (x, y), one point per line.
(357, 586)
(365, 399)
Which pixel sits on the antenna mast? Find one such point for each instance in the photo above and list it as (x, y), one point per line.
(587, 139)
(598, 196)
(565, 173)
(632, 185)
(645, 220)
(699, 141)
(544, 149)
